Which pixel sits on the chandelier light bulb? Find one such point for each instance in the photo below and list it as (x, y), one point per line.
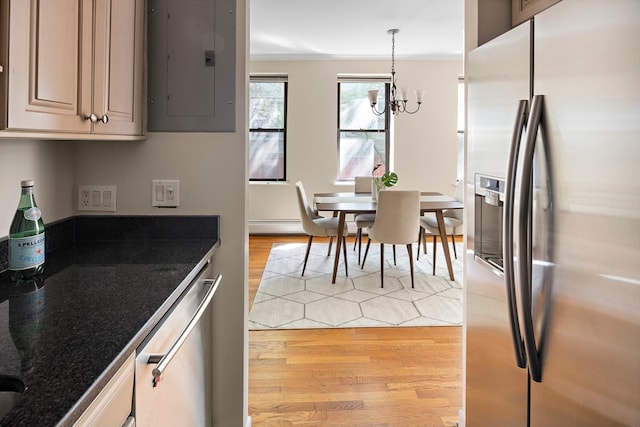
(373, 97)
(404, 94)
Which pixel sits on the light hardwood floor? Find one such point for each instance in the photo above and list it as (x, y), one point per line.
(371, 377)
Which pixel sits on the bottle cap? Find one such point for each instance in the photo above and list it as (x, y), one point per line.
(27, 183)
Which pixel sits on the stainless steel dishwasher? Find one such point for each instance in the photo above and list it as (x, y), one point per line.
(173, 376)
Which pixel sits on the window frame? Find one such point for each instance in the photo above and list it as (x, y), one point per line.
(260, 78)
(461, 127)
(386, 80)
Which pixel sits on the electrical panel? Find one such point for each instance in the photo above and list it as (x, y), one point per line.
(191, 65)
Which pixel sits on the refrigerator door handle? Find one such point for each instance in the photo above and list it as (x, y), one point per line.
(507, 225)
(524, 183)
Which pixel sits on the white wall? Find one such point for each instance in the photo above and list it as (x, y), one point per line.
(425, 143)
(50, 164)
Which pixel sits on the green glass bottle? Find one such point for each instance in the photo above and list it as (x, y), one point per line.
(26, 237)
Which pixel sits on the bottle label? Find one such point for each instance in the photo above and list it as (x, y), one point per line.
(32, 214)
(26, 252)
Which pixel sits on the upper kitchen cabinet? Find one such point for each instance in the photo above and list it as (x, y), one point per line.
(522, 10)
(74, 68)
(191, 65)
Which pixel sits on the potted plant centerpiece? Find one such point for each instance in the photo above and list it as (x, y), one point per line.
(387, 179)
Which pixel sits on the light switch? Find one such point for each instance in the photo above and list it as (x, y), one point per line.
(165, 193)
(95, 198)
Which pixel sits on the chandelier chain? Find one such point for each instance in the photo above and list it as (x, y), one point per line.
(393, 52)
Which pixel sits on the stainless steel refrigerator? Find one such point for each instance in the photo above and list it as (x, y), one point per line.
(552, 271)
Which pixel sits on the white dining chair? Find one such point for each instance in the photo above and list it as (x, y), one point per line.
(362, 184)
(395, 223)
(453, 222)
(315, 225)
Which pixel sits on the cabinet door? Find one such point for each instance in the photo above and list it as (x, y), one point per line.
(113, 405)
(521, 10)
(118, 73)
(48, 87)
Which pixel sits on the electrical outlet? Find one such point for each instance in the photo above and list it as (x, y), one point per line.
(97, 198)
(84, 198)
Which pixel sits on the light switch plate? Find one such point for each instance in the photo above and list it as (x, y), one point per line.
(97, 198)
(165, 193)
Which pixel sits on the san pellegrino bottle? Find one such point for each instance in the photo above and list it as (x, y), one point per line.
(26, 237)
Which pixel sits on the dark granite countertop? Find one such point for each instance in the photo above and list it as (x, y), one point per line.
(107, 282)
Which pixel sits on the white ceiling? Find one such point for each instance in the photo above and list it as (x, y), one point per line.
(355, 29)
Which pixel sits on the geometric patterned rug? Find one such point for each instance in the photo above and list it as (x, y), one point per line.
(285, 300)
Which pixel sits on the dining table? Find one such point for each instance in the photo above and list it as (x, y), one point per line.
(344, 203)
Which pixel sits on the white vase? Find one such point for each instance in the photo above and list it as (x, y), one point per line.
(375, 189)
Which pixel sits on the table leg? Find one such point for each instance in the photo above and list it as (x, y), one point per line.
(335, 214)
(445, 244)
(336, 261)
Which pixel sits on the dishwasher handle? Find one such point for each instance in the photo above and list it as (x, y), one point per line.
(163, 360)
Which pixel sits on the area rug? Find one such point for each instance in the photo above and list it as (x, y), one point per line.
(285, 300)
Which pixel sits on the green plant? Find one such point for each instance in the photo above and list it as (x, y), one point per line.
(388, 179)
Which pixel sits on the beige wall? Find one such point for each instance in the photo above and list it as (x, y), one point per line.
(50, 164)
(425, 143)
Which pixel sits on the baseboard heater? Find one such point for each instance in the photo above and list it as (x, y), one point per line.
(282, 227)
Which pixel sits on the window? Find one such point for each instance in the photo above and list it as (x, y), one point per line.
(363, 137)
(267, 128)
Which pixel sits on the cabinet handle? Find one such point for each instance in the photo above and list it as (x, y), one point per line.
(163, 360)
(93, 118)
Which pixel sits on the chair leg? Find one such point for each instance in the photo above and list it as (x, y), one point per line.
(344, 250)
(424, 241)
(394, 255)
(421, 238)
(410, 252)
(366, 251)
(355, 242)
(306, 255)
(330, 244)
(434, 254)
(382, 265)
(453, 242)
(359, 246)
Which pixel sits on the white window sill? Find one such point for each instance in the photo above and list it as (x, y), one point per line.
(278, 183)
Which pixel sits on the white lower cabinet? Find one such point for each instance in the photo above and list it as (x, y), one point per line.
(113, 406)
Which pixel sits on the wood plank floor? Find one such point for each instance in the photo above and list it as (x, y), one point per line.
(371, 377)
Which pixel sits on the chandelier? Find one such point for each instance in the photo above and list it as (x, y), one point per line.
(396, 105)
